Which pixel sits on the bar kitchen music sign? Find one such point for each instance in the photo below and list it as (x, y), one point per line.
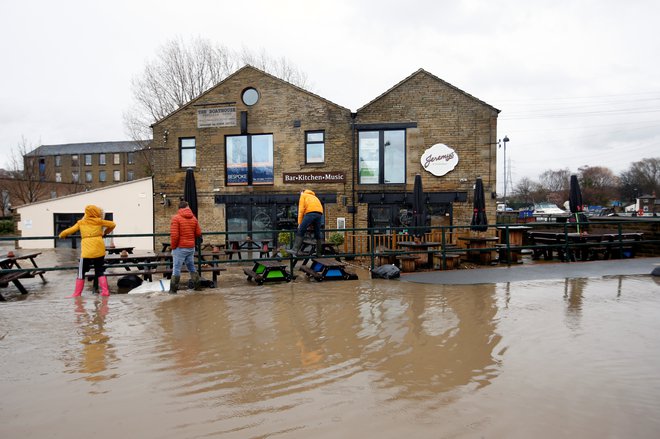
(439, 159)
(314, 177)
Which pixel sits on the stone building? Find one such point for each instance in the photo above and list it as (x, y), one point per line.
(91, 165)
(255, 141)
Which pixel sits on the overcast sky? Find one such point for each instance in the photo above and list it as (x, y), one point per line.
(577, 82)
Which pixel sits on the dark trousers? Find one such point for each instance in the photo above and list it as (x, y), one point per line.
(311, 218)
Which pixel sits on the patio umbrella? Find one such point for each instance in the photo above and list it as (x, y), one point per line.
(190, 191)
(575, 200)
(190, 195)
(479, 221)
(418, 207)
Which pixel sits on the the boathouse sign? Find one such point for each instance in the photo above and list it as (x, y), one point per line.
(439, 159)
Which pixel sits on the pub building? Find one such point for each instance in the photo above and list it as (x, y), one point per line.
(255, 141)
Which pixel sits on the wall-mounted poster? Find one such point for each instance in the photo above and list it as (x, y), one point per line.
(439, 159)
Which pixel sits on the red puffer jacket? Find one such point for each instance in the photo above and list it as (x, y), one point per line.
(184, 228)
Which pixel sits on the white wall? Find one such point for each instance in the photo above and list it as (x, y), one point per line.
(131, 203)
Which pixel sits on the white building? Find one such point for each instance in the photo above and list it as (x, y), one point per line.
(130, 205)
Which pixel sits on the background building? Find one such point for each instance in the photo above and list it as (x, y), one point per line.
(128, 204)
(92, 165)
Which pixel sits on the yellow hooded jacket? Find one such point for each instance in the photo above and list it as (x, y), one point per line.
(308, 203)
(92, 233)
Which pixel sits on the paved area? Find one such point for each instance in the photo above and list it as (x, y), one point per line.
(543, 271)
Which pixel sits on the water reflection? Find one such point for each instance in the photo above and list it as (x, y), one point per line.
(282, 343)
(97, 352)
(573, 295)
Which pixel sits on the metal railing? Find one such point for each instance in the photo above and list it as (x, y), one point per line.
(369, 245)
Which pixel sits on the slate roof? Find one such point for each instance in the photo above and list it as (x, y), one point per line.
(89, 148)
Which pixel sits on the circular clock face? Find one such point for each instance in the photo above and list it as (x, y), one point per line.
(250, 96)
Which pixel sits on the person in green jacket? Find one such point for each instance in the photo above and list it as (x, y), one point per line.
(93, 228)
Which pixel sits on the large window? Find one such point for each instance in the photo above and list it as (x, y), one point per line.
(131, 158)
(116, 175)
(187, 152)
(382, 156)
(88, 160)
(116, 159)
(101, 159)
(58, 160)
(314, 147)
(88, 176)
(249, 160)
(102, 176)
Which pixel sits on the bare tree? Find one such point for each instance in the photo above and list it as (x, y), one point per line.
(26, 184)
(599, 185)
(555, 183)
(642, 178)
(182, 71)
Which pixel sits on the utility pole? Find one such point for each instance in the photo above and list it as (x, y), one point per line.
(504, 141)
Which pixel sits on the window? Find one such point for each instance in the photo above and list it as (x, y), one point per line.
(131, 158)
(58, 177)
(58, 160)
(116, 175)
(314, 147)
(42, 169)
(249, 160)
(75, 177)
(101, 159)
(88, 160)
(102, 177)
(250, 96)
(88, 176)
(116, 159)
(74, 160)
(382, 156)
(187, 152)
(130, 175)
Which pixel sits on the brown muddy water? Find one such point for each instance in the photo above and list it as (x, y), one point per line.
(355, 359)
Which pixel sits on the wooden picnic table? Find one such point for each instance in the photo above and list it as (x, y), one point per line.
(582, 246)
(9, 263)
(238, 246)
(268, 271)
(430, 247)
(119, 250)
(328, 269)
(477, 245)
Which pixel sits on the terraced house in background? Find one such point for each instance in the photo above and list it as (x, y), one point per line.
(255, 141)
(92, 165)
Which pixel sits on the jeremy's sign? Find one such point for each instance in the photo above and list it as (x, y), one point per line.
(314, 177)
(439, 159)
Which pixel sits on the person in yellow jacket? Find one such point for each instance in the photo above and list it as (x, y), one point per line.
(93, 228)
(310, 212)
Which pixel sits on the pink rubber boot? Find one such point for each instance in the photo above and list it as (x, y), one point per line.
(80, 285)
(103, 284)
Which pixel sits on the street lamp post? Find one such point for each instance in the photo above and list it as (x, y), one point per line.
(506, 139)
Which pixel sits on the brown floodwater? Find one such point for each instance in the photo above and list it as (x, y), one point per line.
(353, 359)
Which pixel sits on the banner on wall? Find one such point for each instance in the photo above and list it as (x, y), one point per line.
(439, 159)
(216, 117)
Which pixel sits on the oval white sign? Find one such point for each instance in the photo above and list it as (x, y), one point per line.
(439, 159)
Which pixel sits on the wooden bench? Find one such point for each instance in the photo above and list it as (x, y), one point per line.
(407, 262)
(13, 277)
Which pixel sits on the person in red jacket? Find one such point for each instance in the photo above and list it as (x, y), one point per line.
(184, 231)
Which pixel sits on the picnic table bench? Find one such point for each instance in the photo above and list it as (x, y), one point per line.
(12, 272)
(327, 269)
(268, 271)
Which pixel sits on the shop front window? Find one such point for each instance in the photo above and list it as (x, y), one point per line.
(382, 156)
(249, 160)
